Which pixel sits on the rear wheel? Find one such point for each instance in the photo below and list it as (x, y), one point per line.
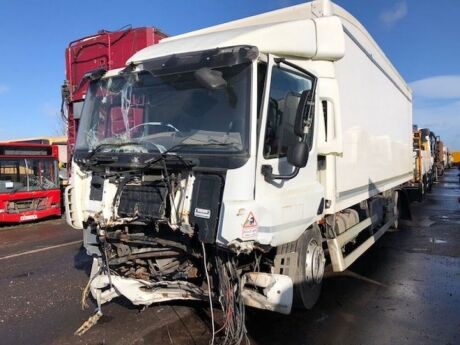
(310, 268)
(396, 210)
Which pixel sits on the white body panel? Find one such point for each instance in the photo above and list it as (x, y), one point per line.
(370, 148)
(376, 129)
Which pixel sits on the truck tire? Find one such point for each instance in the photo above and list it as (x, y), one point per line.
(424, 184)
(310, 268)
(420, 192)
(396, 210)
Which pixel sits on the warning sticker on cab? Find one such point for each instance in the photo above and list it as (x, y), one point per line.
(202, 213)
(250, 227)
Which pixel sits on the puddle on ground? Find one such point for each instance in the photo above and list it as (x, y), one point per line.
(452, 218)
(449, 185)
(418, 250)
(418, 221)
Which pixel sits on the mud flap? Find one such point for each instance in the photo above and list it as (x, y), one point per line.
(405, 205)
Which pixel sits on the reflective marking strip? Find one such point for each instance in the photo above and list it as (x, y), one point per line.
(286, 226)
(377, 185)
(40, 250)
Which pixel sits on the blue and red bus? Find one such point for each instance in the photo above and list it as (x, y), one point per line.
(29, 182)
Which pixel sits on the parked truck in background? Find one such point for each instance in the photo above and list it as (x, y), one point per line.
(104, 50)
(232, 165)
(440, 157)
(448, 159)
(423, 164)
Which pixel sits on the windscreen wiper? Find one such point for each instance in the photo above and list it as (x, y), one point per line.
(171, 152)
(203, 144)
(99, 147)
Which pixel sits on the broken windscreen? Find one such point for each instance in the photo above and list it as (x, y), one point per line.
(153, 112)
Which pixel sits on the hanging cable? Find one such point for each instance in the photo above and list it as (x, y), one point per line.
(209, 293)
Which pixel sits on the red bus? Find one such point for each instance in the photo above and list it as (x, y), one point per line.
(29, 182)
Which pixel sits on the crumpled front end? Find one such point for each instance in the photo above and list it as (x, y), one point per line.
(106, 287)
(152, 235)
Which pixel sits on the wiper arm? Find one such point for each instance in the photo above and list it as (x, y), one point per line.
(164, 156)
(203, 144)
(171, 151)
(99, 147)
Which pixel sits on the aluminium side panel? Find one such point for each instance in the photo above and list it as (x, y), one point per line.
(376, 114)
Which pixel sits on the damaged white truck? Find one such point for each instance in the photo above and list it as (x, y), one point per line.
(236, 163)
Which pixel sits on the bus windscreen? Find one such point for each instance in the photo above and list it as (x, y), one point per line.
(27, 174)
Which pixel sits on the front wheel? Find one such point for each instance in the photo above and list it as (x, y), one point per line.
(310, 268)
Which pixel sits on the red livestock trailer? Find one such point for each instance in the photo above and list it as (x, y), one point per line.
(29, 182)
(106, 49)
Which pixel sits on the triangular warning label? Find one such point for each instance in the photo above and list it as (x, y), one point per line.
(250, 221)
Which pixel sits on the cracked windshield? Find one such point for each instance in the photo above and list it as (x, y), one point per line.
(148, 113)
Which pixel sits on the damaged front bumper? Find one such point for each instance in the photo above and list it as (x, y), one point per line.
(104, 288)
(267, 291)
(272, 292)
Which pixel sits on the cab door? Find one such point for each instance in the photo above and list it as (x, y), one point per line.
(285, 207)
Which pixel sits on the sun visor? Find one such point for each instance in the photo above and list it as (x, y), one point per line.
(318, 38)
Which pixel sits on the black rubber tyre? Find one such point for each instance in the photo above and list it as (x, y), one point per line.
(396, 210)
(307, 285)
(430, 183)
(420, 192)
(424, 184)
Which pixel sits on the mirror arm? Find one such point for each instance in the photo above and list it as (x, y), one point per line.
(267, 171)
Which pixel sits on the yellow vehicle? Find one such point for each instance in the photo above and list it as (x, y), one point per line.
(455, 158)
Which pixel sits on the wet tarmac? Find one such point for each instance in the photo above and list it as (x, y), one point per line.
(404, 290)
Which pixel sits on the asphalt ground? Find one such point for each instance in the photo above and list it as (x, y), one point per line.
(404, 290)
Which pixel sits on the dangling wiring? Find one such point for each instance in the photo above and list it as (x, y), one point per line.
(205, 262)
(231, 301)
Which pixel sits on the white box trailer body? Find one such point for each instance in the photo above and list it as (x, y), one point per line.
(360, 154)
(369, 149)
(376, 110)
(374, 103)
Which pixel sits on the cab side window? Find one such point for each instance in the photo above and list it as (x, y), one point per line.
(285, 91)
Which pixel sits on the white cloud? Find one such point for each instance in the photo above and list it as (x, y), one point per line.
(390, 16)
(437, 106)
(439, 87)
(3, 88)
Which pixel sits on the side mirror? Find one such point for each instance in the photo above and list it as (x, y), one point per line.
(297, 155)
(301, 113)
(210, 79)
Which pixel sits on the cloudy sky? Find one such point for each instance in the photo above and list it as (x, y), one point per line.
(421, 38)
